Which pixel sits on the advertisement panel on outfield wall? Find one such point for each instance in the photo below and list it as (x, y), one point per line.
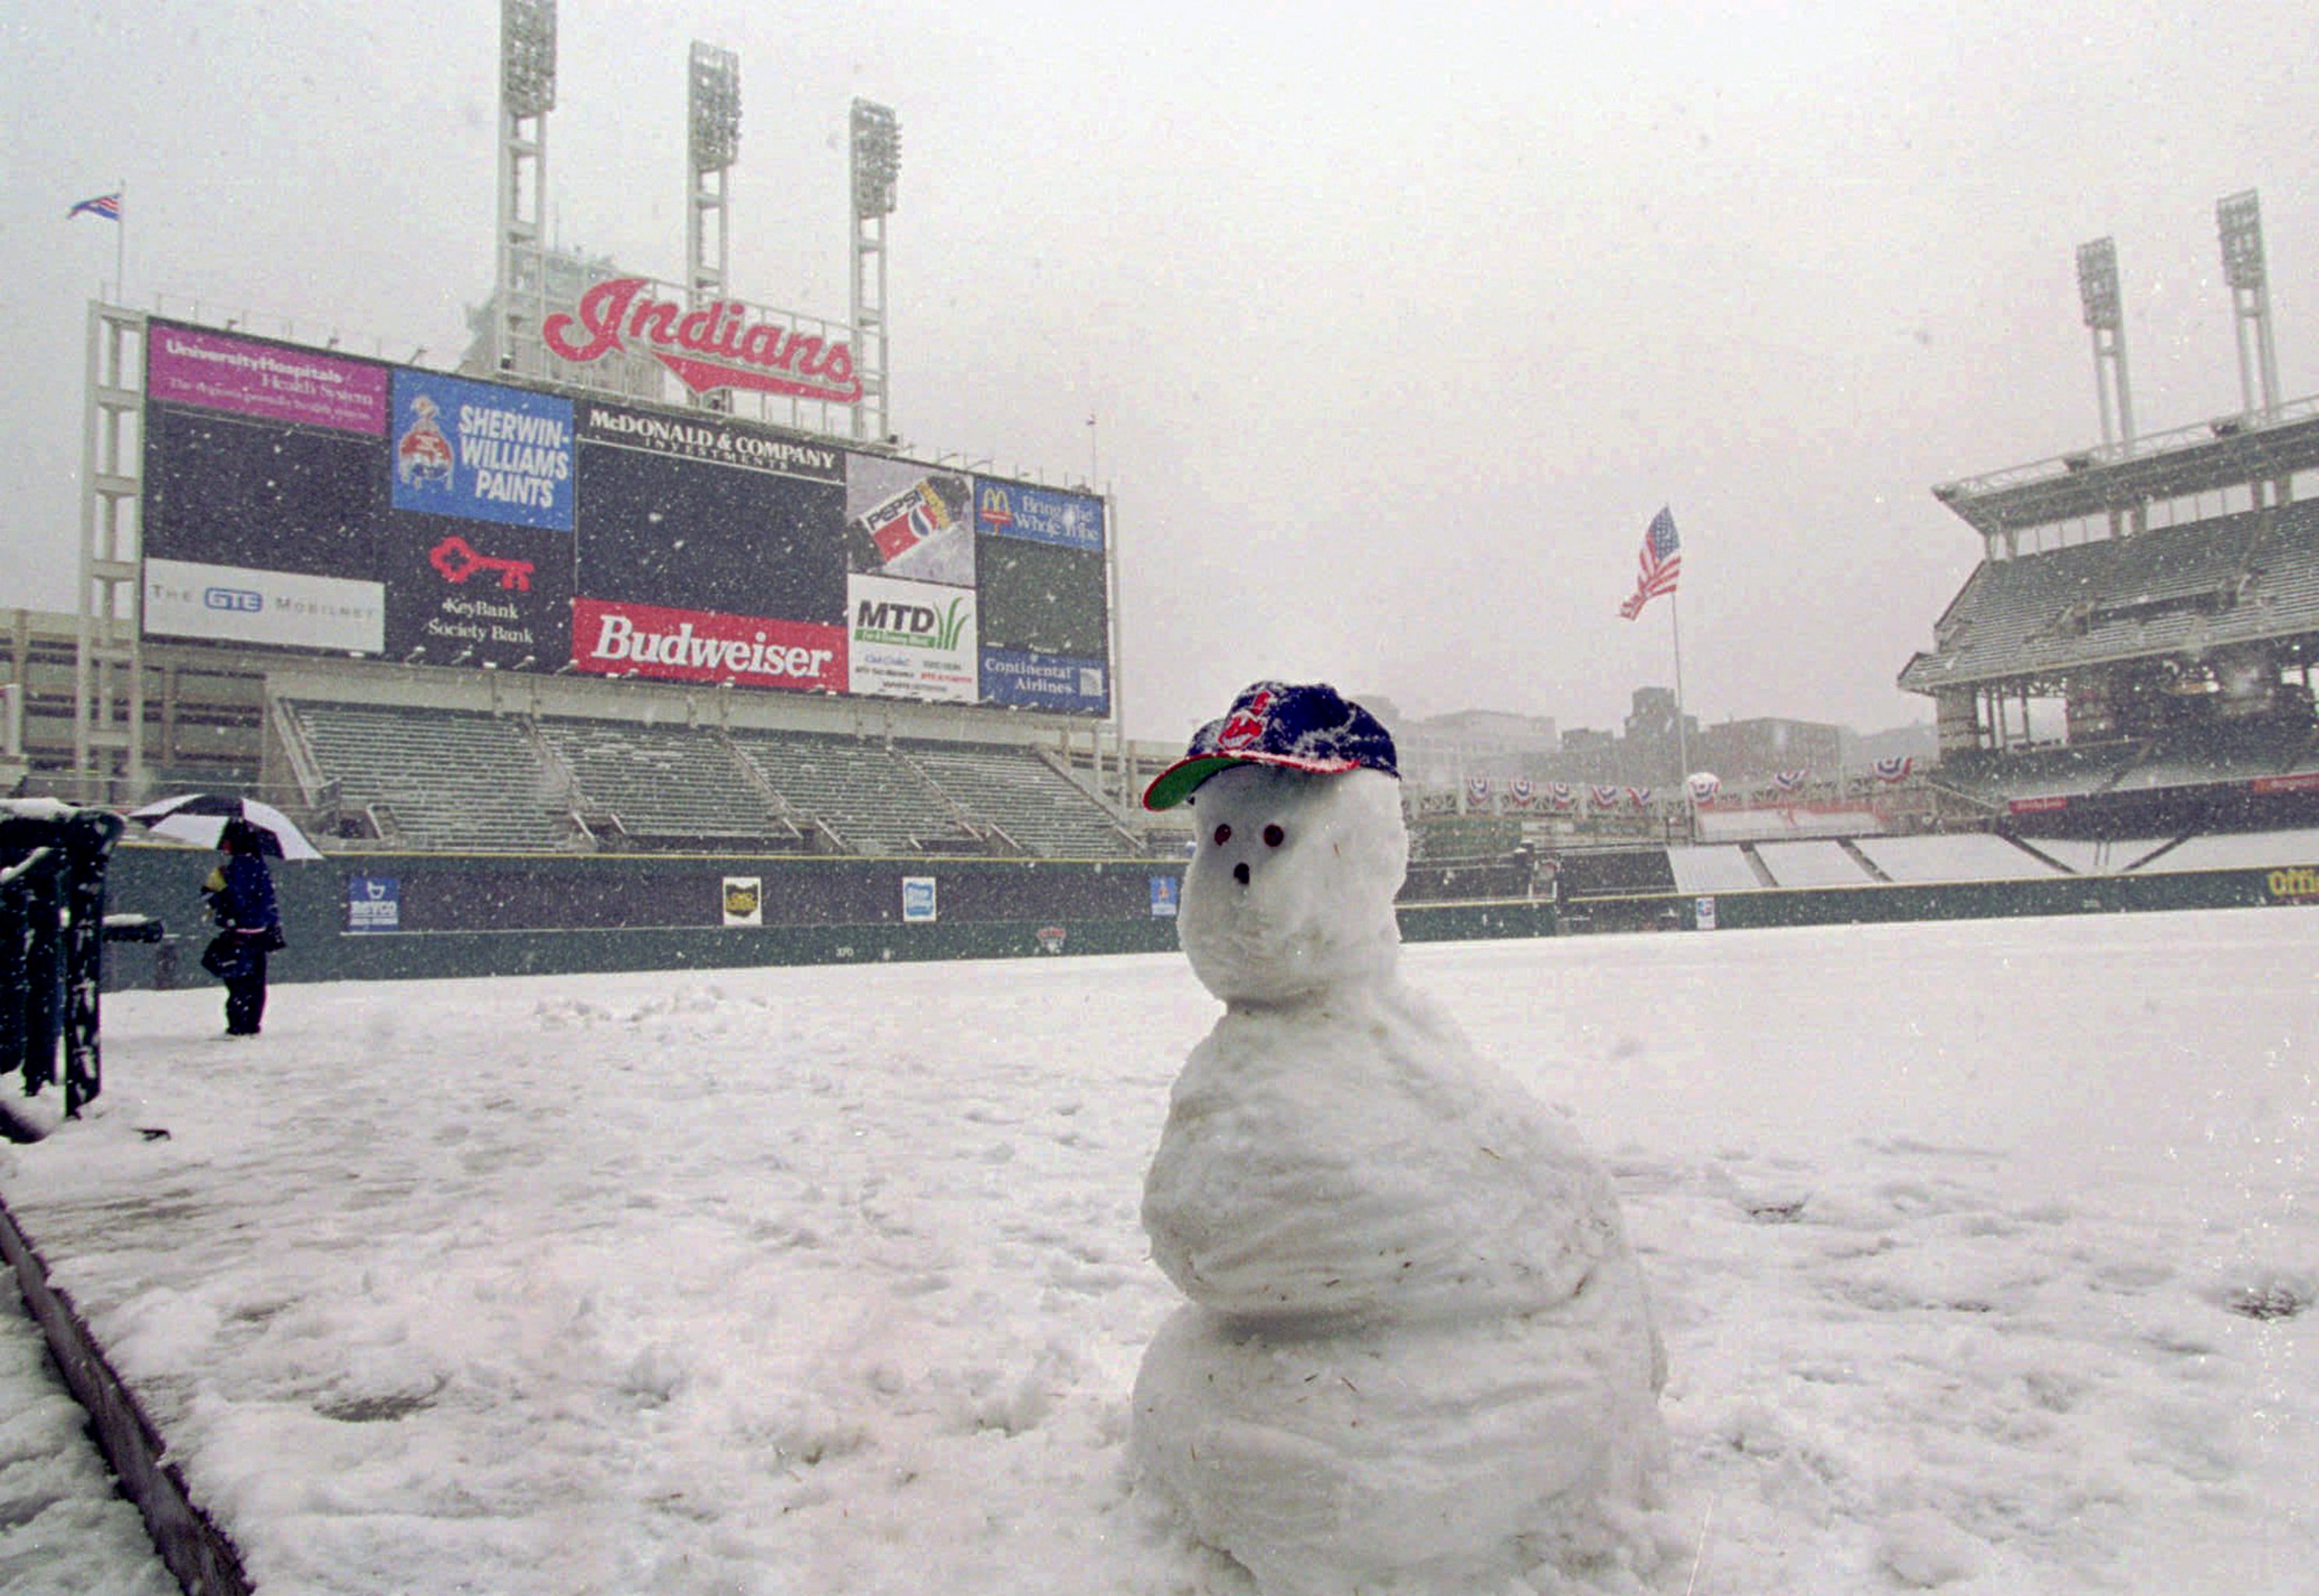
(301, 499)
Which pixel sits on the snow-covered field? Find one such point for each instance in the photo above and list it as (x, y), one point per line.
(1978, 1250)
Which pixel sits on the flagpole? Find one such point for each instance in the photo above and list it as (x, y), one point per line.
(120, 246)
(1681, 738)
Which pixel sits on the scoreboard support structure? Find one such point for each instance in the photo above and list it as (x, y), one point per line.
(108, 660)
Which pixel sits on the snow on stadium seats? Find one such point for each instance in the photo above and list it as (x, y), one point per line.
(2104, 856)
(1967, 856)
(1042, 810)
(2232, 851)
(436, 778)
(1813, 864)
(1712, 869)
(667, 783)
(869, 800)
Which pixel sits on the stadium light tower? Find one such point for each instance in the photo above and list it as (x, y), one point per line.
(876, 164)
(2098, 292)
(2238, 219)
(715, 127)
(527, 95)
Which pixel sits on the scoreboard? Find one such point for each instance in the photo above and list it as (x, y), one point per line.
(301, 499)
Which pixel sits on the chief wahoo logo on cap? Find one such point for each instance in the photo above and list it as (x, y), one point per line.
(1245, 726)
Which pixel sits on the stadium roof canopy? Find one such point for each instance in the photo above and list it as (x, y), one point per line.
(2117, 478)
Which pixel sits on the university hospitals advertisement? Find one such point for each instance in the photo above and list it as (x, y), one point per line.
(231, 604)
(273, 381)
(910, 640)
(481, 452)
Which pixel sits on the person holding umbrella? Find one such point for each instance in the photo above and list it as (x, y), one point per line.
(240, 896)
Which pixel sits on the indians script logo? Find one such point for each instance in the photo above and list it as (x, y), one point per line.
(712, 347)
(422, 455)
(1245, 725)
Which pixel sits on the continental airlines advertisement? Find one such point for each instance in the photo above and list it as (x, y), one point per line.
(301, 499)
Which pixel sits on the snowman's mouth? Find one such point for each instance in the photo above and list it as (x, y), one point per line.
(1240, 872)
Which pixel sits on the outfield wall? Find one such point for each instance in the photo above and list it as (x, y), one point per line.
(483, 915)
(486, 914)
(1960, 901)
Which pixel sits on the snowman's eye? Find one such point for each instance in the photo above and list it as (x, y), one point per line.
(1223, 835)
(1274, 836)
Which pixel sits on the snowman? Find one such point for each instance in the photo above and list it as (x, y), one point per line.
(1419, 1356)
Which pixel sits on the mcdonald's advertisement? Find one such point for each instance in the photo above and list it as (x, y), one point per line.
(309, 500)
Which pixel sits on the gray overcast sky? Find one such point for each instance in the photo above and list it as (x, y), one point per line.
(1398, 323)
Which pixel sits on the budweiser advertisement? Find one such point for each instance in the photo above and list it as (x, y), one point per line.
(698, 646)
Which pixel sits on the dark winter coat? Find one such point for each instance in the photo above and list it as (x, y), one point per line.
(243, 899)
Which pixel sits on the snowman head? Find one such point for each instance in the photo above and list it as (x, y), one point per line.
(1297, 806)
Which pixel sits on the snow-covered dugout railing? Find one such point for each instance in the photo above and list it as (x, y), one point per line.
(52, 859)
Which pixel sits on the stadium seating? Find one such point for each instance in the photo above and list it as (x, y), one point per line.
(453, 781)
(2194, 587)
(1814, 864)
(1612, 873)
(1968, 856)
(2193, 754)
(668, 784)
(438, 779)
(1993, 779)
(870, 802)
(1037, 807)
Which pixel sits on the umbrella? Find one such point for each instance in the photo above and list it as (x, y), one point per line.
(198, 817)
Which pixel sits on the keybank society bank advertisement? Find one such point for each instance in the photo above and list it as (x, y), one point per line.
(648, 640)
(910, 640)
(481, 452)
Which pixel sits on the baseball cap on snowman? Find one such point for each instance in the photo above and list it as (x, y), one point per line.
(1298, 727)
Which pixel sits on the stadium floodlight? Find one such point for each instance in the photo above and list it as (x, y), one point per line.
(2098, 284)
(716, 107)
(877, 158)
(2238, 219)
(527, 57)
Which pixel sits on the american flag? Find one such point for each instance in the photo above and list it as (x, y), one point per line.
(1662, 564)
(106, 206)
